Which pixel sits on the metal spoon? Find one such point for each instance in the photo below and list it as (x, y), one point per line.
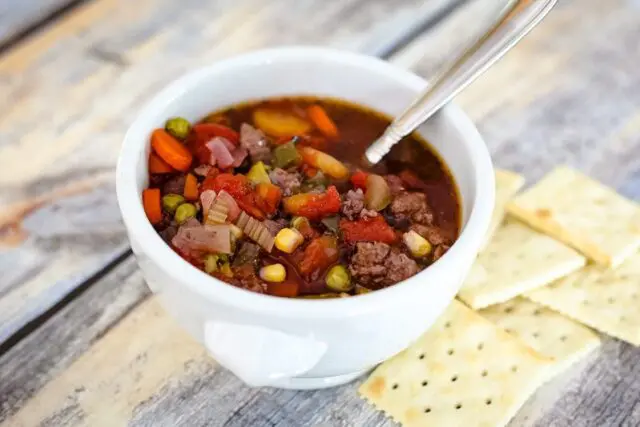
(516, 19)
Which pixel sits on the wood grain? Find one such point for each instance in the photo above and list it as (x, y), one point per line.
(16, 17)
(74, 89)
(551, 100)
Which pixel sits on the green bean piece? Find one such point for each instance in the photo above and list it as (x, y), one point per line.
(332, 223)
(300, 222)
(211, 263)
(319, 182)
(338, 279)
(178, 127)
(171, 201)
(286, 155)
(184, 212)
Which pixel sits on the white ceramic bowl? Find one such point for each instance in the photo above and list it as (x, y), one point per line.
(296, 343)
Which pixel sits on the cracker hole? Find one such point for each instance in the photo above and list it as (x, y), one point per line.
(624, 277)
(450, 352)
(508, 310)
(537, 312)
(480, 346)
(454, 378)
(563, 338)
(514, 368)
(535, 334)
(421, 356)
(458, 405)
(585, 302)
(623, 318)
(487, 402)
(425, 383)
(611, 300)
(634, 296)
(427, 410)
(447, 325)
(395, 386)
(485, 373)
(507, 330)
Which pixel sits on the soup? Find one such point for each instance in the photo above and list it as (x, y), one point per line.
(273, 197)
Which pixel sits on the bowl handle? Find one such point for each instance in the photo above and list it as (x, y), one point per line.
(260, 356)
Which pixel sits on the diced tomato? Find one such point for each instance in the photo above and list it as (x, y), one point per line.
(248, 204)
(202, 133)
(373, 229)
(209, 181)
(313, 206)
(288, 288)
(236, 185)
(359, 180)
(268, 197)
(209, 130)
(239, 188)
(321, 253)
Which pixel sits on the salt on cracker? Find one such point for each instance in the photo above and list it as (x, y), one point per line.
(464, 371)
(582, 213)
(518, 259)
(507, 185)
(544, 330)
(604, 299)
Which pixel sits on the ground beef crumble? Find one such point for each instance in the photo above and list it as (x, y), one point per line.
(376, 265)
(412, 205)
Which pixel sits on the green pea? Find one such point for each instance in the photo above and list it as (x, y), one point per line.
(170, 202)
(178, 127)
(184, 212)
(338, 279)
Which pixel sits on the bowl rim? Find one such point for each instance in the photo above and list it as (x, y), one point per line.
(178, 269)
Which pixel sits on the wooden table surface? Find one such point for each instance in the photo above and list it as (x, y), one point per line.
(82, 340)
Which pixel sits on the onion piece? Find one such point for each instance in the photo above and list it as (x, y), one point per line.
(239, 154)
(197, 239)
(220, 154)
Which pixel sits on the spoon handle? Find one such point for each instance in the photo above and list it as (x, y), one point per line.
(513, 23)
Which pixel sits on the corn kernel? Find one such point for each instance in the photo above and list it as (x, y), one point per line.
(288, 239)
(418, 245)
(273, 273)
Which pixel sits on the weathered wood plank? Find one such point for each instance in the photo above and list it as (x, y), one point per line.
(16, 17)
(74, 89)
(545, 103)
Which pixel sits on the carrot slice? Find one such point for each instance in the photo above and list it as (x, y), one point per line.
(322, 121)
(171, 150)
(191, 187)
(152, 204)
(157, 165)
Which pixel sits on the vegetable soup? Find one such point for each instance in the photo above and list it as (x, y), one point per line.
(273, 197)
